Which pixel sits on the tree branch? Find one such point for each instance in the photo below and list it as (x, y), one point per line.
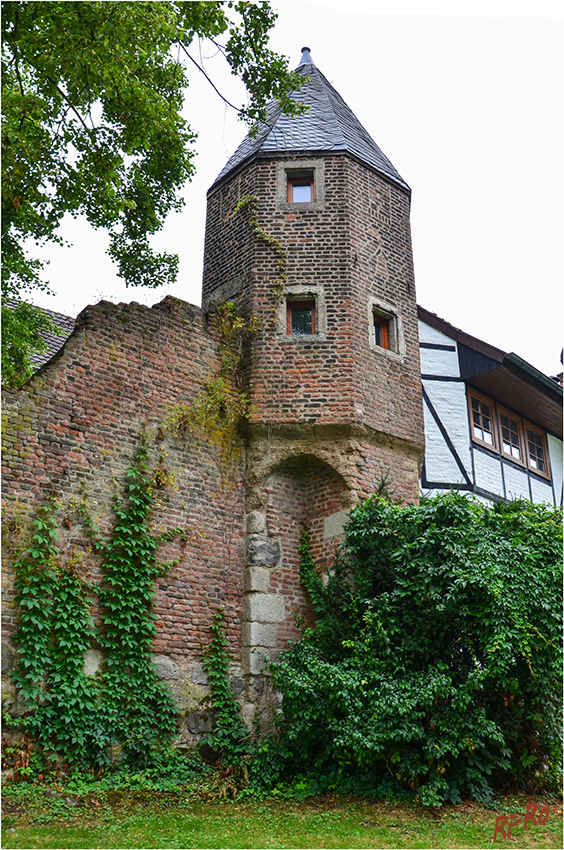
(224, 99)
(17, 67)
(69, 104)
(220, 47)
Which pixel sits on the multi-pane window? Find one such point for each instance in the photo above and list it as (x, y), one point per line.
(482, 423)
(536, 451)
(300, 317)
(510, 436)
(501, 430)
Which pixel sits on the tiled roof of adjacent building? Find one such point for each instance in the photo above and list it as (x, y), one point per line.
(328, 126)
(53, 341)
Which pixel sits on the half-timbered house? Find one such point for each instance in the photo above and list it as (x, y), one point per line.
(493, 423)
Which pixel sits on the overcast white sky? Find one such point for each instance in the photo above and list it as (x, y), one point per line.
(466, 100)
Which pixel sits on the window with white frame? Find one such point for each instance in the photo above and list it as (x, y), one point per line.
(506, 433)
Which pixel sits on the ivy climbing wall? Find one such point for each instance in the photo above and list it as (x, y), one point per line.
(252, 430)
(70, 434)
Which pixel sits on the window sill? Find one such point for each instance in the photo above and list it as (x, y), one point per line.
(544, 476)
(514, 461)
(299, 206)
(491, 450)
(387, 352)
(301, 338)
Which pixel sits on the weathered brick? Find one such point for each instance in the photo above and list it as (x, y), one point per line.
(330, 418)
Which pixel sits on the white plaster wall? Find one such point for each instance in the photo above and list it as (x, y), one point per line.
(429, 334)
(516, 482)
(425, 491)
(541, 490)
(449, 400)
(439, 462)
(556, 462)
(488, 472)
(479, 498)
(439, 363)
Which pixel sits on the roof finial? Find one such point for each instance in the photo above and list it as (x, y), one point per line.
(306, 57)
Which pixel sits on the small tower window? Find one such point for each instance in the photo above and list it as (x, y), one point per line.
(381, 330)
(300, 187)
(301, 314)
(300, 317)
(385, 329)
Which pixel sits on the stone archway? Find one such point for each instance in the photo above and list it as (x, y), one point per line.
(300, 489)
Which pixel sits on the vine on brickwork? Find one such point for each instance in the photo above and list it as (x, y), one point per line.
(138, 707)
(250, 203)
(230, 735)
(218, 411)
(228, 744)
(125, 710)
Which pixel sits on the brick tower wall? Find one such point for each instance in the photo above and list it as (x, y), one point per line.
(353, 250)
(356, 246)
(382, 270)
(306, 495)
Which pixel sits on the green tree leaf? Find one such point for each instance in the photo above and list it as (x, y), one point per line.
(92, 94)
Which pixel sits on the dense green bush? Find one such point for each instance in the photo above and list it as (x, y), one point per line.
(435, 663)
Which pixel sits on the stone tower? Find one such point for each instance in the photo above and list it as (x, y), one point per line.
(334, 376)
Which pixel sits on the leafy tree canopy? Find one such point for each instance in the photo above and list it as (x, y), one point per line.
(435, 665)
(92, 95)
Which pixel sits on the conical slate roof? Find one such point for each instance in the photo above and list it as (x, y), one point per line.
(328, 126)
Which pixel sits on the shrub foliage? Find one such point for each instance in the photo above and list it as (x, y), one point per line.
(435, 662)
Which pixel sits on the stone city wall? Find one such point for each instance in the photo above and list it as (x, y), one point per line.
(71, 432)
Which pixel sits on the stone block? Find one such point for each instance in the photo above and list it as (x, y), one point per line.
(237, 686)
(333, 526)
(7, 657)
(166, 668)
(199, 722)
(255, 660)
(248, 711)
(92, 661)
(256, 522)
(188, 697)
(259, 634)
(264, 608)
(263, 551)
(256, 578)
(196, 674)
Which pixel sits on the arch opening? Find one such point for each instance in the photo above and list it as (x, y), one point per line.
(303, 490)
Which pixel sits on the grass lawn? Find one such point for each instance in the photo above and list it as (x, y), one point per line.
(173, 820)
